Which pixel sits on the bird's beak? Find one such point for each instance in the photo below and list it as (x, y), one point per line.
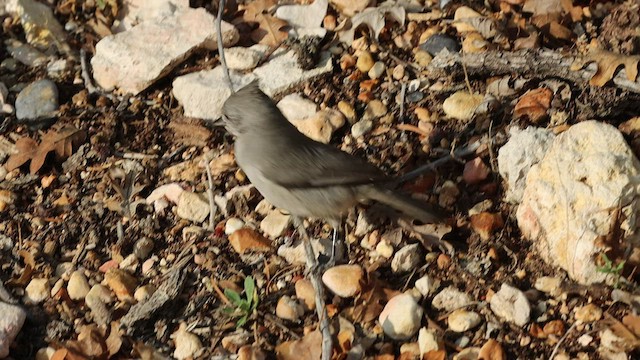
(219, 122)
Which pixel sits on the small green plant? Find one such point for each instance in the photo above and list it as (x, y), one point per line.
(242, 307)
(609, 268)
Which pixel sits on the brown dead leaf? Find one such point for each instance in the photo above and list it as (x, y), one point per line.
(534, 104)
(189, 133)
(29, 266)
(256, 8)
(608, 62)
(90, 343)
(270, 30)
(60, 141)
(491, 350)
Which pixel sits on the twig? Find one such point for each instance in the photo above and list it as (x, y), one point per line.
(466, 151)
(223, 60)
(212, 204)
(492, 155)
(403, 92)
(314, 276)
(562, 339)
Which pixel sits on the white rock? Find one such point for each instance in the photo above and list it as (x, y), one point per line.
(344, 280)
(548, 285)
(461, 105)
(242, 58)
(232, 224)
(275, 224)
(571, 195)
(37, 291)
(428, 341)
(187, 344)
(511, 305)
(134, 12)
(450, 299)
(97, 299)
(406, 259)
(524, 149)
(401, 317)
(426, 285)
(133, 60)
(361, 128)
(296, 255)
(304, 16)
(78, 286)
(462, 320)
(289, 309)
(297, 107)
(11, 322)
(193, 207)
(143, 293)
(384, 249)
(170, 191)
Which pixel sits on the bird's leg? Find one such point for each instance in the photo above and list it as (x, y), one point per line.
(336, 225)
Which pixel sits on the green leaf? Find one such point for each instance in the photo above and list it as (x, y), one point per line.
(242, 321)
(249, 288)
(233, 296)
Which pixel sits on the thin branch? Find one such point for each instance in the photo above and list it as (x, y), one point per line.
(314, 276)
(223, 60)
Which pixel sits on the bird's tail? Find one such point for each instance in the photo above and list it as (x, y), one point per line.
(403, 203)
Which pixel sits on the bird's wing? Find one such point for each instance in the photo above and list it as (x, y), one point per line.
(319, 165)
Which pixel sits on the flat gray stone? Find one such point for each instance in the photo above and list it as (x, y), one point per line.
(39, 100)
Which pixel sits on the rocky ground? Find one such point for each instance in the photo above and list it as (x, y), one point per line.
(128, 231)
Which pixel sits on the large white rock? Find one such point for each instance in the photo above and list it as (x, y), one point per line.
(572, 195)
(136, 11)
(134, 59)
(11, 322)
(524, 149)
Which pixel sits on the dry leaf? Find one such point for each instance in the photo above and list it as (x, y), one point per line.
(90, 342)
(491, 350)
(374, 19)
(114, 341)
(435, 355)
(257, 8)
(534, 104)
(270, 31)
(61, 141)
(608, 62)
(633, 323)
(307, 348)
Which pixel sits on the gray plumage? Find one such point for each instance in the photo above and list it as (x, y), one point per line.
(302, 176)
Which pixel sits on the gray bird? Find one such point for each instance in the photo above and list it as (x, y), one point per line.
(302, 176)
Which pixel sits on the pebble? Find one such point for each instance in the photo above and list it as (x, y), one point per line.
(193, 206)
(422, 58)
(428, 341)
(39, 100)
(511, 304)
(588, 313)
(448, 194)
(232, 225)
(450, 299)
(26, 54)
(426, 285)
(187, 344)
(407, 259)
(235, 341)
(142, 248)
(347, 110)
(462, 320)
(96, 300)
(347, 61)
(398, 72)
(9, 64)
(377, 70)
(143, 293)
(401, 317)
(275, 224)
(41, 27)
(5, 107)
(461, 105)
(56, 68)
(423, 114)
(475, 171)
(549, 285)
(37, 291)
(375, 109)
(295, 254)
(365, 62)
(411, 350)
(297, 107)
(472, 353)
(438, 42)
(249, 352)
(78, 286)
(384, 249)
(121, 283)
(321, 125)
(306, 294)
(361, 128)
(344, 280)
(11, 322)
(289, 309)
(246, 239)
